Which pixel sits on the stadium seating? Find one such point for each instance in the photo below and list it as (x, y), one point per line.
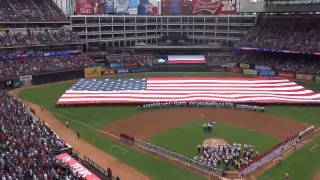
(26, 145)
(285, 32)
(14, 68)
(129, 60)
(30, 11)
(33, 37)
(279, 62)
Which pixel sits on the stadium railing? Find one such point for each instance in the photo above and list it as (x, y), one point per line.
(276, 151)
(177, 157)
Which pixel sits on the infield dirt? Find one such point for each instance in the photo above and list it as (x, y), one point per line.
(145, 125)
(317, 176)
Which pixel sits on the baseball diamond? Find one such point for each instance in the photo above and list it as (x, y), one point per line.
(159, 90)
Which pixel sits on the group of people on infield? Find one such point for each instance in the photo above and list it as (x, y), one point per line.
(208, 126)
(226, 105)
(226, 155)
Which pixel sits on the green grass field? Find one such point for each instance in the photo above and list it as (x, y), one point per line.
(152, 166)
(190, 135)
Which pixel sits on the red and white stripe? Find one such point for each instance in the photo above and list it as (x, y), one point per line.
(186, 59)
(242, 90)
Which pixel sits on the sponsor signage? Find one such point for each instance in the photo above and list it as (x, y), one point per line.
(109, 6)
(148, 7)
(93, 71)
(286, 74)
(77, 167)
(138, 70)
(231, 65)
(84, 7)
(317, 78)
(218, 69)
(108, 72)
(276, 50)
(116, 65)
(133, 7)
(260, 67)
(121, 6)
(173, 7)
(266, 73)
(235, 70)
(211, 7)
(304, 77)
(26, 80)
(250, 71)
(244, 65)
(122, 71)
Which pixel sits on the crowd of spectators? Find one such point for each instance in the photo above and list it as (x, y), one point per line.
(30, 11)
(285, 32)
(33, 37)
(130, 60)
(15, 68)
(222, 59)
(27, 145)
(280, 62)
(226, 156)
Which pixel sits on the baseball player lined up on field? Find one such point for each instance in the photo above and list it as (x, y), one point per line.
(226, 105)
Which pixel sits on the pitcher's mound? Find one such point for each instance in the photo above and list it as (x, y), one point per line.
(214, 141)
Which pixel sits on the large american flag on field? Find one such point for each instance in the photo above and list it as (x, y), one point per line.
(147, 90)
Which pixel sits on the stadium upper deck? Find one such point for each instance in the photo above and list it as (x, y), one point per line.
(12, 11)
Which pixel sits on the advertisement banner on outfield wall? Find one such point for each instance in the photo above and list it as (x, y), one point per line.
(260, 67)
(108, 72)
(266, 73)
(229, 65)
(244, 65)
(250, 71)
(116, 65)
(235, 70)
(317, 78)
(304, 77)
(139, 70)
(122, 71)
(286, 74)
(218, 69)
(93, 71)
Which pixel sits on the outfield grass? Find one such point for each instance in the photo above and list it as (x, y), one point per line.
(99, 116)
(301, 166)
(185, 139)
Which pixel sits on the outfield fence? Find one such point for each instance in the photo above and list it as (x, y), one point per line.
(177, 157)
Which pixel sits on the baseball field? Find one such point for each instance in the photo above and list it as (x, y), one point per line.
(180, 130)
